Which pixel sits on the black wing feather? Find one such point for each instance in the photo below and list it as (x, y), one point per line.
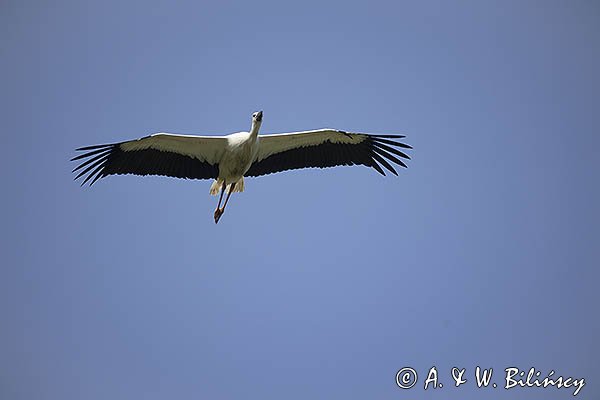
(371, 152)
(110, 159)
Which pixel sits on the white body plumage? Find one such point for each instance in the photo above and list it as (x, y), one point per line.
(242, 148)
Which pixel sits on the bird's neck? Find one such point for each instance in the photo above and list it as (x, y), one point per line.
(254, 129)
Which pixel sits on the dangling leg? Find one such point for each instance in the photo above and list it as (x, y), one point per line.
(221, 197)
(218, 211)
(229, 194)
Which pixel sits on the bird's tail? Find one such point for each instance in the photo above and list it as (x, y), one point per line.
(239, 186)
(215, 188)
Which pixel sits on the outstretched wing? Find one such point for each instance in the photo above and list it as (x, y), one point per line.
(180, 156)
(327, 148)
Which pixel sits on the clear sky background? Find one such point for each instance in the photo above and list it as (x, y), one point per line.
(316, 284)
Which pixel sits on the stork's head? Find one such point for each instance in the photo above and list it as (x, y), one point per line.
(256, 121)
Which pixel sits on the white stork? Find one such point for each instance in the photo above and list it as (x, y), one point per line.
(228, 159)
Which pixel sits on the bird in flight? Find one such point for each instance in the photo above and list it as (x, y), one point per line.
(228, 159)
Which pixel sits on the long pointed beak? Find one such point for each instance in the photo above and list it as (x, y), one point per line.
(259, 116)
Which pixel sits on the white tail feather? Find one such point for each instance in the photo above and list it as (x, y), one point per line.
(215, 188)
(239, 186)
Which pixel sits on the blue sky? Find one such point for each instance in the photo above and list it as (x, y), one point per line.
(316, 283)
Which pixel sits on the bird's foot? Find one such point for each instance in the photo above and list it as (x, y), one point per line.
(218, 213)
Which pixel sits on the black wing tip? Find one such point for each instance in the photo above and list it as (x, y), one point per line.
(382, 158)
(377, 167)
(389, 136)
(96, 156)
(386, 140)
(96, 146)
(381, 147)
